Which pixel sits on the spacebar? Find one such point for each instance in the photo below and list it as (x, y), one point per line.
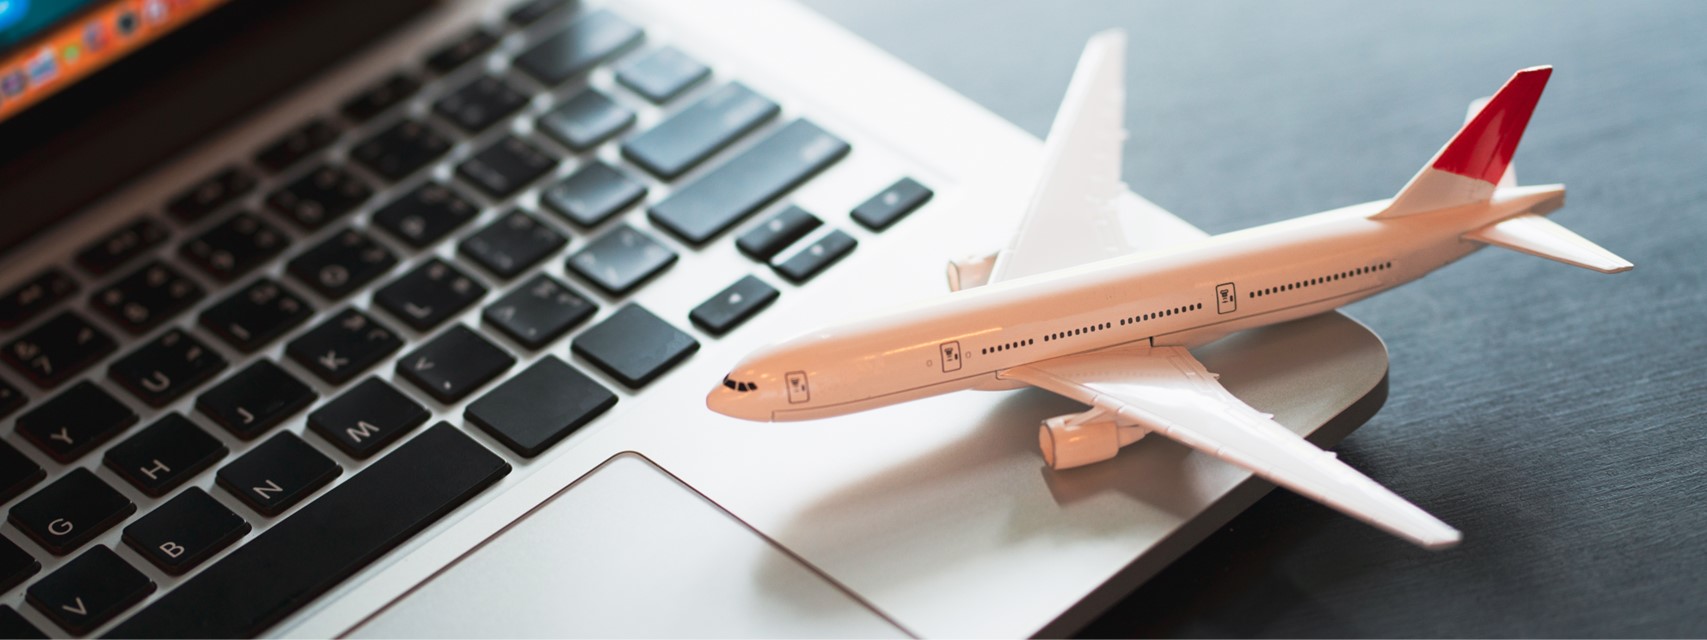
(330, 539)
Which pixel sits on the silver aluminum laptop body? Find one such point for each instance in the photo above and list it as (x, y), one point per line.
(936, 518)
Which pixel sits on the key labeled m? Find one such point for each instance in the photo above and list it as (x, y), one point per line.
(361, 431)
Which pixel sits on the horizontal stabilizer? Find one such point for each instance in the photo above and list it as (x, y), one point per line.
(1538, 236)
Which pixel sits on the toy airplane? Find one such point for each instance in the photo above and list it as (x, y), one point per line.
(1076, 307)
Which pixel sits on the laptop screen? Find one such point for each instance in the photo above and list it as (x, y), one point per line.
(47, 45)
(104, 91)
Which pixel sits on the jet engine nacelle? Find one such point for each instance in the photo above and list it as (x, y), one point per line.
(1078, 439)
(970, 272)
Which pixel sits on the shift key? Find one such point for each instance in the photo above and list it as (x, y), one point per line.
(688, 138)
(718, 200)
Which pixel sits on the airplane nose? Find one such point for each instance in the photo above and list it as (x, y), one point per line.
(734, 404)
(719, 400)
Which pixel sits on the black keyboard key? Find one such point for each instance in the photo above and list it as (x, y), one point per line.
(584, 121)
(15, 565)
(277, 474)
(540, 406)
(13, 625)
(235, 246)
(70, 511)
(720, 199)
(458, 52)
(621, 259)
(425, 215)
(341, 264)
(776, 233)
(579, 47)
(539, 312)
(398, 151)
(255, 316)
(593, 194)
(892, 204)
(24, 302)
(505, 167)
(209, 195)
(11, 400)
(89, 590)
(429, 295)
(159, 458)
(58, 349)
(17, 473)
(816, 257)
(686, 139)
(121, 246)
(662, 74)
(185, 531)
(387, 93)
(527, 13)
(166, 368)
(511, 244)
(634, 346)
(323, 195)
(480, 104)
(328, 540)
(368, 417)
(343, 346)
(296, 144)
(255, 399)
(75, 421)
(733, 306)
(142, 300)
(454, 364)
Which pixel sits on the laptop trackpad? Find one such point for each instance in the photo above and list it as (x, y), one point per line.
(627, 551)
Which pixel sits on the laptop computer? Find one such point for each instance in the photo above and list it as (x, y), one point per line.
(396, 318)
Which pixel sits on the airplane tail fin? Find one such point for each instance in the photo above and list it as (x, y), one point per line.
(1475, 161)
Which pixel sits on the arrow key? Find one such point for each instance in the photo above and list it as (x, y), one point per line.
(278, 473)
(89, 590)
(469, 362)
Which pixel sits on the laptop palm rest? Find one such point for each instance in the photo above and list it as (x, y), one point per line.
(627, 550)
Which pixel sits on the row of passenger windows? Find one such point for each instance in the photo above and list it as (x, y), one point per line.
(1011, 345)
(1062, 335)
(1077, 332)
(1322, 280)
(1160, 314)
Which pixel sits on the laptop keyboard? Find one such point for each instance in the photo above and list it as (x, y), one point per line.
(303, 211)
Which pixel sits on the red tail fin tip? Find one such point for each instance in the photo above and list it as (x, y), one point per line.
(1483, 148)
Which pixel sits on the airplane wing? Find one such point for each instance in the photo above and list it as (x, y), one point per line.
(1081, 211)
(1169, 392)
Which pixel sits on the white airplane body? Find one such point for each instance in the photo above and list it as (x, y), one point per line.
(1081, 307)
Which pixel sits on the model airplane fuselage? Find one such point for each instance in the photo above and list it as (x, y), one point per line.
(1109, 324)
(1186, 296)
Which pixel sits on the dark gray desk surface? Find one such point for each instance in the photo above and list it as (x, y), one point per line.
(1555, 415)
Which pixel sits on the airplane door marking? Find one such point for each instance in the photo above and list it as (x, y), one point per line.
(1226, 298)
(950, 356)
(798, 390)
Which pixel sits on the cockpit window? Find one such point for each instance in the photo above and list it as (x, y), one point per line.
(742, 387)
